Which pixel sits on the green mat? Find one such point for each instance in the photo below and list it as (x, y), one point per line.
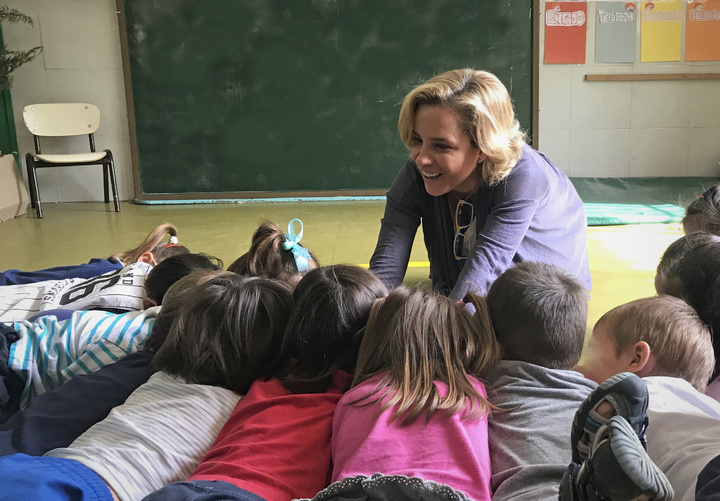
(637, 200)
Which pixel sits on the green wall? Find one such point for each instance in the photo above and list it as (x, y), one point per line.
(288, 95)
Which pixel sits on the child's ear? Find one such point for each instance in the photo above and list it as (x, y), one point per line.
(146, 257)
(643, 361)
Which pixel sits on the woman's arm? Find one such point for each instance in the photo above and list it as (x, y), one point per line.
(397, 231)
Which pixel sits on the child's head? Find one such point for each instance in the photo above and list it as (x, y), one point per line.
(697, 282)
(172, 269)
(417, 337)
(539, 313)
(704, 213)
(667, 278)
(153, 250)
(175, 299)
(274, 254)
(654, 336)
(331, 308)
(227, 332)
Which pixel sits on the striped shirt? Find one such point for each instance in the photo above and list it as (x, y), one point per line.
(50, 352)
(157, 437)
(122, 289)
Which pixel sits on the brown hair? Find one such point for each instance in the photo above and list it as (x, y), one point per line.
(153, 243)
(539, 312)
(267, 258)
(678, 338)
(705, 211)
(332, 305)
(667, 277)
(227, 332)
(417, 337)
(172, 269)
(697, 281)
(483, 107)
(175, 298)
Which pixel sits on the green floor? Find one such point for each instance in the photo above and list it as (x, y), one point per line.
(622, 258)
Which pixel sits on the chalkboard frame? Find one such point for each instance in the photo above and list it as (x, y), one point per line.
(141, 197)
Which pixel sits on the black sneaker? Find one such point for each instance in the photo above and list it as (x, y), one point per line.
(617, 469)
(629, 397)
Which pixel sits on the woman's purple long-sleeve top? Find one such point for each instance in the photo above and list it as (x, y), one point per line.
(534, 214)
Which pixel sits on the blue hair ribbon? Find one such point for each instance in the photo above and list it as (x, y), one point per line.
(291, 243)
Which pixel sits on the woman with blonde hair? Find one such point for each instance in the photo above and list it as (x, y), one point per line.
(486, 199)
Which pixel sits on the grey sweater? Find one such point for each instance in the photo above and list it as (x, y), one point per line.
(534, 214)
(530, 443)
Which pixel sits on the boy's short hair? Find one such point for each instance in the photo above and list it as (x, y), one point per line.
(539, 313)
(678, 339)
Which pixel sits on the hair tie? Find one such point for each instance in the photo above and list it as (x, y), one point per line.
(291, 243)
(173, 240)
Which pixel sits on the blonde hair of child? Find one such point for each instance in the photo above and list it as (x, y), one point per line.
(484, 110)
(418, 337)
(154, 243)
(678, 339)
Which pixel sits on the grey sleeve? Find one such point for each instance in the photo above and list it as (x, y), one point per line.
(397, 231)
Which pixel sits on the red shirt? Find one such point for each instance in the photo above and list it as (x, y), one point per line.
(276, 444)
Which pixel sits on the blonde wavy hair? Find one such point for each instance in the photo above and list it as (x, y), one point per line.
(483, 107)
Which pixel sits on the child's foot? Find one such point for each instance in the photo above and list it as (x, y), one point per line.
(623, 395)
(617, 469)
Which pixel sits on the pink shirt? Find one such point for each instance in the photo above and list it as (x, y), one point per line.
(448, 450)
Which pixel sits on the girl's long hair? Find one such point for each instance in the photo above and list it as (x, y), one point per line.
(154, 243)
(324, 333)
(416, 337)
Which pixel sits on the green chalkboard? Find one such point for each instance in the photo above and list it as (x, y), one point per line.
(234, 96)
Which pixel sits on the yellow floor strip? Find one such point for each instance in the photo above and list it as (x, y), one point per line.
(412, 264)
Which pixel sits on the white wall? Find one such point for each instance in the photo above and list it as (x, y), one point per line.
(81, 62)
(589, 129)
(620, 129)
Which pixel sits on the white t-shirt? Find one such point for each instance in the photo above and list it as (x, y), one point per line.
(158, 436)
(683, 433)
(122, 290)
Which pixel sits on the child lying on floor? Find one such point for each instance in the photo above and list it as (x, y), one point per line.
(224, 340)
(663, 340)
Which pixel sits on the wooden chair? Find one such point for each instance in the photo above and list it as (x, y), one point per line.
(62, 120)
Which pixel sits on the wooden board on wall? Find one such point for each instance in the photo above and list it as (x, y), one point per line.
(288, 96)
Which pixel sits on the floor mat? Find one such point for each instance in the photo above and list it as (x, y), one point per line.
(637, 200)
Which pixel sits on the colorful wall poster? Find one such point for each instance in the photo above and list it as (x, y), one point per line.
(615, 32)
(702, 31)
(660, 31)
(565, 32)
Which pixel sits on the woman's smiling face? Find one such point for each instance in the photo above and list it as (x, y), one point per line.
(444, 155)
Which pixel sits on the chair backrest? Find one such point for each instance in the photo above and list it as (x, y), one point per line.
(61, 119)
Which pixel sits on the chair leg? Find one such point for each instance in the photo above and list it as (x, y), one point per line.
(105, 183)
(31, 189)
(34, 190)
(113, 180)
